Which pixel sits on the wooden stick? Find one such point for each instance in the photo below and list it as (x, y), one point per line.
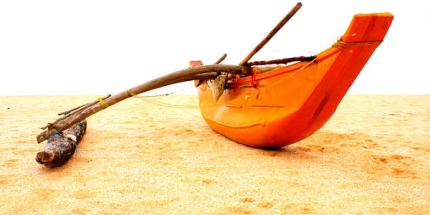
(281, 61)
(271, 34)
(82, 106)
(201, 72)
(221, 59)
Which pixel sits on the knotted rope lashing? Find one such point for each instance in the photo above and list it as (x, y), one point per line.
(102, 102)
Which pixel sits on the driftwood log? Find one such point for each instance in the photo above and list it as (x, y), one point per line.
(61, 146)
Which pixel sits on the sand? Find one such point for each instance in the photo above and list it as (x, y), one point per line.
(157, 155)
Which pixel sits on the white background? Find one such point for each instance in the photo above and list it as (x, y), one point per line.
(99, 47)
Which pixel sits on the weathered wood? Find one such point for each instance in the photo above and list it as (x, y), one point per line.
(221, 59)
(271, 34)
(217, 85)
(196, 73)
(60, 147)
(81, 106)
(200, 81)
(282, 61)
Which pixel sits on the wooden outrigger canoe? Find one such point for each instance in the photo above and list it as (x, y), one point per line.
(264, 107)
(288, 103)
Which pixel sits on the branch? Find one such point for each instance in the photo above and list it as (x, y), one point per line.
(81, 113)
(281, 61)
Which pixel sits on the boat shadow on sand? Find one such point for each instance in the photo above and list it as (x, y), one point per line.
(326, 142)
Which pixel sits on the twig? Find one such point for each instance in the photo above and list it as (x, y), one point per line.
(221, 59)
(82, 106)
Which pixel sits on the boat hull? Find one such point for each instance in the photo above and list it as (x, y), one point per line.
(289, 103)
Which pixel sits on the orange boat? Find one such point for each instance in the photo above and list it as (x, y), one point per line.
(288, 103)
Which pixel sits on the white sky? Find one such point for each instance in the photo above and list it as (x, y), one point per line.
(100, 47)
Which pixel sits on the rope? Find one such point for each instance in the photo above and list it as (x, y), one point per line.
(253, 79)
(153, 101)
(147, 98)
(55, 134)
(102, 102)
(169, 93)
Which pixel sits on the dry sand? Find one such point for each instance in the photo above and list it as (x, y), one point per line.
(144, 155)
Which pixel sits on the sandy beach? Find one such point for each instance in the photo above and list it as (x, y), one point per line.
(156, 155)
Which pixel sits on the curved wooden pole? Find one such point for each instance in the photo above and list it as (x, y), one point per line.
(271, 34)
(80, 114)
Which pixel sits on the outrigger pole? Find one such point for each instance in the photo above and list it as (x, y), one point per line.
(206, 72)
(271, 34)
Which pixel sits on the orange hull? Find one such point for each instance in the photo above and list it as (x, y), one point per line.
(289, 103)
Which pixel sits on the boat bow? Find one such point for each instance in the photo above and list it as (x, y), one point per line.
(289, 103)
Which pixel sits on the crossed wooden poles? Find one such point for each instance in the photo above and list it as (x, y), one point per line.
(207, 72)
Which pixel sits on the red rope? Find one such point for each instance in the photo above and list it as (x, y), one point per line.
(253, 81)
